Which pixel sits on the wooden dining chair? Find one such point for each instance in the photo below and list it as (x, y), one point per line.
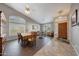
(0, 46)
(32, 40)
(22, 39)
(19, 37)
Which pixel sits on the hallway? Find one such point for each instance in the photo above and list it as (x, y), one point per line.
(56, 48)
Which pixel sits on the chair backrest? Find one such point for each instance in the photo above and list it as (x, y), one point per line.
(20, 36)
(0, 46)
(33, 33)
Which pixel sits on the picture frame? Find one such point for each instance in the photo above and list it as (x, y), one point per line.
(78, 19)
(74, 18)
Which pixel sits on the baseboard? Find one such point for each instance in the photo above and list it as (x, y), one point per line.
(74, 49)
(11, 40)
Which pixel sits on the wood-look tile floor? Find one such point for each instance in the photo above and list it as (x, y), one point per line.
(44, 47)
(13, 48)
(56, 48)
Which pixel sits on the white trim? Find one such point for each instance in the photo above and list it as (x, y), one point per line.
(74, 48)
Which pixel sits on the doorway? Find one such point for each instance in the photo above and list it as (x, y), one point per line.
(62, 30)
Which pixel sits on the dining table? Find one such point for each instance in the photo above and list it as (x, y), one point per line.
(26, 36)
(31, 38)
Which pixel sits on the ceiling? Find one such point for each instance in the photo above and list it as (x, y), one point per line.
(42, 12)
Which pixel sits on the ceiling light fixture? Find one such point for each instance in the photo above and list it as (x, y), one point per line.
(60, 11)
(27, 9)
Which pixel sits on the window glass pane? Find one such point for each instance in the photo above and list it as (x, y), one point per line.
(16, 19)
(16, 25)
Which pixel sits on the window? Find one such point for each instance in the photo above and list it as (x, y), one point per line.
(16, 25)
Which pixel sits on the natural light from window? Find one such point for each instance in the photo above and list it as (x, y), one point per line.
(16, 25)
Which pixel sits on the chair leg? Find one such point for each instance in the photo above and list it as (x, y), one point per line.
(35, 43)
(18, 40)
(30, 44)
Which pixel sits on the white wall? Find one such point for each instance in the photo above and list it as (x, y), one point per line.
(74, 31)
(75, 37)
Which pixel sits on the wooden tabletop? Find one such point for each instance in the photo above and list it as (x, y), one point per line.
(26, 34)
